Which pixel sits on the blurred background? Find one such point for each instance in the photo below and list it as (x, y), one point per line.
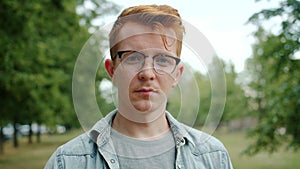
(258, 43)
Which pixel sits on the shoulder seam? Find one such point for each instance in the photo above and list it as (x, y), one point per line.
(64, 151)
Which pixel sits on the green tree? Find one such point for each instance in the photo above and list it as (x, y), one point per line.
(204, 85)
(274, 84)
(91, 11)
(229, 91)
(40, 41)
(234, 94)
(197, 82)
(38, 50)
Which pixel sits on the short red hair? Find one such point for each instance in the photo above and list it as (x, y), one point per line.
(155, 16)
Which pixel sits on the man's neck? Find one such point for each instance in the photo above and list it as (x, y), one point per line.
(143, 131)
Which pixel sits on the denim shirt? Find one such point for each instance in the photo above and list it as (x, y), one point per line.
(94, 149)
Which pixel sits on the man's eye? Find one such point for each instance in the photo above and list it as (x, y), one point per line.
(133, 59)
(163, 61)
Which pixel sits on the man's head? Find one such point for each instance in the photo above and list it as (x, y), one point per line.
(145, 48)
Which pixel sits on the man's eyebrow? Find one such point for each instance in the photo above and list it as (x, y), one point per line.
(159, 52)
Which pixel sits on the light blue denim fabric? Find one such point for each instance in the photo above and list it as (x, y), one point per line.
(94, 149)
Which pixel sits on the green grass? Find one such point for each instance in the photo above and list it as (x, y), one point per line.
(34, 156)
(237, 142)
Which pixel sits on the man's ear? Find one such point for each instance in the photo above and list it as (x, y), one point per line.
(110, 68)
(178, 74)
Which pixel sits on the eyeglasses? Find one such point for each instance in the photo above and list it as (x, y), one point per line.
(134, 60)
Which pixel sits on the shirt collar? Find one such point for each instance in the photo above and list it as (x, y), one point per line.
(180, 132)
(100, 132)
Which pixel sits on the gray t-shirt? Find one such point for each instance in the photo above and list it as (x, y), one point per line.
(145, 154)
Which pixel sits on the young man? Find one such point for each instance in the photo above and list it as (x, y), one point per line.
(145, 47)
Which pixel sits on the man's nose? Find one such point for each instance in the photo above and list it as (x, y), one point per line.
(147, 72)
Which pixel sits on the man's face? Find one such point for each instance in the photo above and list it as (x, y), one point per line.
(144, 90)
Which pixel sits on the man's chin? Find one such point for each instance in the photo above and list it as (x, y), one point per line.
(142, 111)
(144, 108)
(147, 106)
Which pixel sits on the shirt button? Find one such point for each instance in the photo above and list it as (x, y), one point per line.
(112, 161)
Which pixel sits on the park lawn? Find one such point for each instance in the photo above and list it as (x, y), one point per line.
(236, 142)
(34, 156)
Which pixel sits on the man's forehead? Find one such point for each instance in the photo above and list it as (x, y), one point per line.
(133, 29)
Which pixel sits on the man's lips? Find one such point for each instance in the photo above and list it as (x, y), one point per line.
(146, 90)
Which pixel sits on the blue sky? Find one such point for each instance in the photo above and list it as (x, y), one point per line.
(222, 22)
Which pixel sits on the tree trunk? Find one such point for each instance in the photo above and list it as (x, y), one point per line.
(38, 134)
(260, 109)
(15, 137)
(30, 134)
(1, 141)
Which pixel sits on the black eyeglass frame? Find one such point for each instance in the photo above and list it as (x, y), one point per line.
(121, 52)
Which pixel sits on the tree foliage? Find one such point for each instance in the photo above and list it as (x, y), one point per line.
(274, 79)
(91, 11)
(234, 94)
(182, 98)
(40, 41)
